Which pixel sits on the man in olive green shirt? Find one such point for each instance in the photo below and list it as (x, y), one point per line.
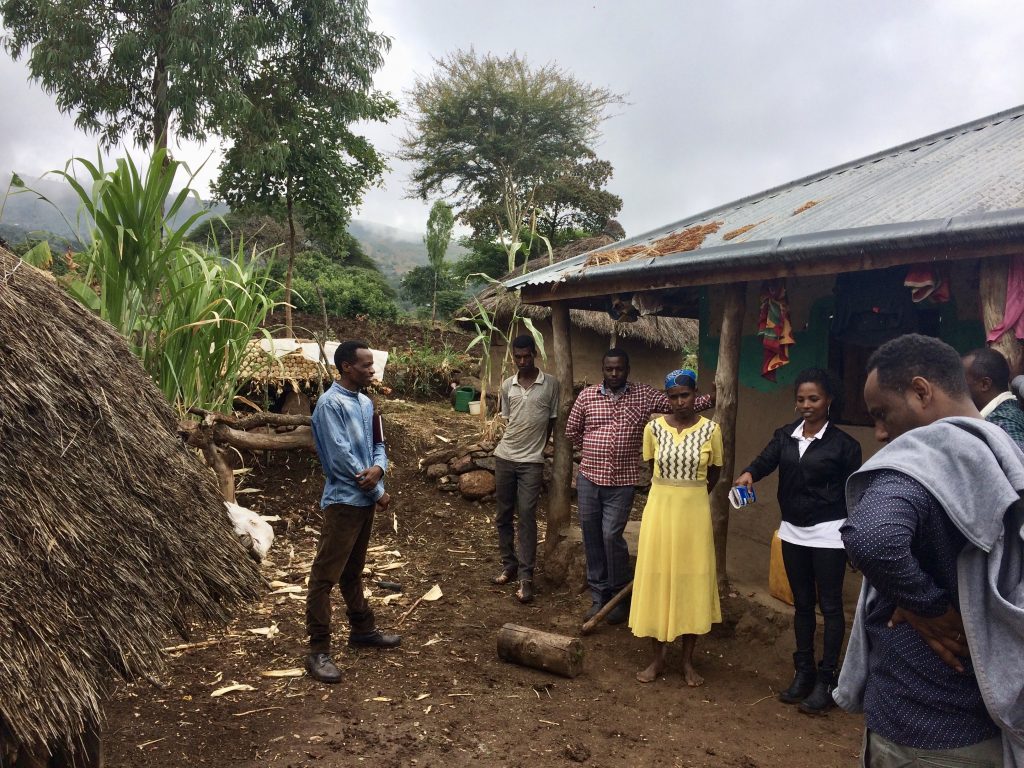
(529, 404)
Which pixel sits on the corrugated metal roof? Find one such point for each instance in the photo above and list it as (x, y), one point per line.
(962, 173)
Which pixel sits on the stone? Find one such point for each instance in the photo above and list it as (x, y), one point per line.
(436, 471)
(461, 464)
(485, 462)
(479, 454)
(476, 484)
(487, 445)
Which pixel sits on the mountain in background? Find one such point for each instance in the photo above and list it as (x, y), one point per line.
(26, 214)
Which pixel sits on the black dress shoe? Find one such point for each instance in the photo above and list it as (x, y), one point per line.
(594, 608)
(322, 668)
(374, 639)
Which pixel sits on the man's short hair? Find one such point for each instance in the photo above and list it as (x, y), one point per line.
(525, 341)
(990, 363)
(346, 352)
(901, 360)
(616, 352)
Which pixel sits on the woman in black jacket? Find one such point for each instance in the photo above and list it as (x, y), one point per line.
(814, 459)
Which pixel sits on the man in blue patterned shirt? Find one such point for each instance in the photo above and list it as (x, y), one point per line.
(353, 461)
(922, 702)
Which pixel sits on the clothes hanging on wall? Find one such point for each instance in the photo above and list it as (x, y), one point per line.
(1013, 313)
(928, 281)
(774, 327)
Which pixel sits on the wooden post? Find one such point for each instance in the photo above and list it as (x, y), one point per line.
(541, 650)
(727, 378)
(993, 274)
(559, 494)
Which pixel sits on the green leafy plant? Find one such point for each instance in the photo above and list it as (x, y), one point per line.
(420, 372)
(186, 313)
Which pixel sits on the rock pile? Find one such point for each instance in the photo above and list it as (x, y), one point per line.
(467, 469)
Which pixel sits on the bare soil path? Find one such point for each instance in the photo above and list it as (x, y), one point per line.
(444, 698)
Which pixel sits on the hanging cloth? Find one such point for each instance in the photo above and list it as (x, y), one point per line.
(1013, 313)
(927, 281)
(773, 327)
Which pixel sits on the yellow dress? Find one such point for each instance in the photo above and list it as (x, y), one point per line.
(675, 589)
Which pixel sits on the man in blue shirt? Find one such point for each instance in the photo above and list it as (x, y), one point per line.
(353, 462)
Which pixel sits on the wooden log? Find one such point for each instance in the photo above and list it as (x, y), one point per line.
(561, 465)
(541, 650)
(727, 378)
(992, 281)
(591, 624)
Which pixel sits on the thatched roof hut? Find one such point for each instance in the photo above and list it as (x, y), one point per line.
(112, 533)
(671, 333)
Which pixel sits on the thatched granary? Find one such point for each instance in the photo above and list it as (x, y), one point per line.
(112, 533)
(655, 344)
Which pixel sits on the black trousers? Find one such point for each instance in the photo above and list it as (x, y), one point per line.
(816, 576)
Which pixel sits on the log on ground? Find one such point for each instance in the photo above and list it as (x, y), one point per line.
(541, 650)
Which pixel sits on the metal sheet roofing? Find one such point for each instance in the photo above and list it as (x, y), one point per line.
(943, 183)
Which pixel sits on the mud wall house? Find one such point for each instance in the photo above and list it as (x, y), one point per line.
(652, 341)
(944, 213)
(112, 533)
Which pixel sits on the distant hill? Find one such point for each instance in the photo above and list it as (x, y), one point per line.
(395, 251)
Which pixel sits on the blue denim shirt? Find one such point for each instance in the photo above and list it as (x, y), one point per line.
(343, 432)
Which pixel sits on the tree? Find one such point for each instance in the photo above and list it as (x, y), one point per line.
(489, 132)
(437, 290)
(293, 153)
(129, 67)
(347, 291)
(440, 223)
(575, 203)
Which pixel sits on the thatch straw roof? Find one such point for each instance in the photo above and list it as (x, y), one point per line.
(669, 332)
(112, 533)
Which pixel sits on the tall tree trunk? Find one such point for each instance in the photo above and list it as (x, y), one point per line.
(727, 378)
(433, 302)
(289, 202)
(557, 550)
(161, 110)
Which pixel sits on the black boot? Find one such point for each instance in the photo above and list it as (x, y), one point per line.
(803, 680)
(820, 701)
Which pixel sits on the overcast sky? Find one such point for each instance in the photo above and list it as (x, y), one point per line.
(725, 98)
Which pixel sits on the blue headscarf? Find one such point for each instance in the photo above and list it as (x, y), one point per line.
(682, 377)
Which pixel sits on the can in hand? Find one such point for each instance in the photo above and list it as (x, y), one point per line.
(739, 496)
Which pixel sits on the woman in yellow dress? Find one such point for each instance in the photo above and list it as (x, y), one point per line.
(675, 590)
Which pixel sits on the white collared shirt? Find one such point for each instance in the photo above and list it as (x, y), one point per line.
(825, 535)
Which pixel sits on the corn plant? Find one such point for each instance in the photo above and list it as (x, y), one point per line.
(187, 313)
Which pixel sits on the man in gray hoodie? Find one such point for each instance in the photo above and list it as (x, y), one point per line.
(936, 655)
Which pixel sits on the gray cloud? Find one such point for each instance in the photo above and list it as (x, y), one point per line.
(725, 99)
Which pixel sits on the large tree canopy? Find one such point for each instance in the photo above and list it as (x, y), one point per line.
(490, 132)
(130, 67)
(293, 152)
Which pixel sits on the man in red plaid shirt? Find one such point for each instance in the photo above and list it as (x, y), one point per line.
(607, 421)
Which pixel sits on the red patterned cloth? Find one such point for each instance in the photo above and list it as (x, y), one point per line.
(773, 327)
(611, 431)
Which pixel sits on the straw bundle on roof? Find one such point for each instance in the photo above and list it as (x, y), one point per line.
(676, 242)
(111, 532)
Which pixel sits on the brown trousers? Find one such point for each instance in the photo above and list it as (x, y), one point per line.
(340, 557)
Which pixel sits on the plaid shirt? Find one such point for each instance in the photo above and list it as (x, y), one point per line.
(611, 431)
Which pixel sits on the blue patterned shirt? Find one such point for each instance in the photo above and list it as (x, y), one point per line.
(343, 432)
(907, 548)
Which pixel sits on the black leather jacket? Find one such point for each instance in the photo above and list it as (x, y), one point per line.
(812, 490)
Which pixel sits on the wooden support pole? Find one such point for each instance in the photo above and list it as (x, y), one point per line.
(559, 494)
(727, 379)
(993, 274)
(541, 650)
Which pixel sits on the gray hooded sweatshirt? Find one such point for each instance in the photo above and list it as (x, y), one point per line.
(976, 473)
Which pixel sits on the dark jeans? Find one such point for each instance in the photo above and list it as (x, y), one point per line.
(816, 575)
(340, 557)
(517, 491)
(604, 510)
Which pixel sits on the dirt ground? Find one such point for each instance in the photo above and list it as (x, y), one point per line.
(444, 698)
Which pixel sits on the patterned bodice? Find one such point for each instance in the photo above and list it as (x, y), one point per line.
(682, 456)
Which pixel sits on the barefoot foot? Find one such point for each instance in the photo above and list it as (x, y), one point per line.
(652, 673)
(692, 678)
